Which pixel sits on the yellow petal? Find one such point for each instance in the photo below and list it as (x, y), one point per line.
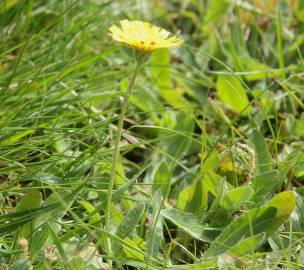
(143, 36)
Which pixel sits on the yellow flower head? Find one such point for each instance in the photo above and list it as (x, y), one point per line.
(143, 36)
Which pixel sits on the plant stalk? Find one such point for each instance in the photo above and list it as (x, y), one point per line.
(115, 159)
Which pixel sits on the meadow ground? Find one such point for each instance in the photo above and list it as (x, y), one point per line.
(210, 172)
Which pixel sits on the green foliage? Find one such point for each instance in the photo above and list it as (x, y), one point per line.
(216, 11)
(232, 93)
(130, 221)
(188, 222)
(210, 174)
(235, 198)
(31, 200)
(256, 221)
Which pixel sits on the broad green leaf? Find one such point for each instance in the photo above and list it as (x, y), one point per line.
(265, 186)
(201, 57)
(176, 142)
(248, 245)
(62, 145)
(216, 11)
(299, 10)
(210, 161)
(145, 99)
(299, 126)
(183, 198)
(234, 198)
(160, 68)
(129, 223)
(217, 218)
(257, 71)
(284, 202)
(179, 144)
(193, 198)
(31, 200)
(161, 177)
(266, 100)
(214, 183)
(161, 76)
(266, 219)
(231, 92)
(263, 157)
(133, 253)
(188, 222)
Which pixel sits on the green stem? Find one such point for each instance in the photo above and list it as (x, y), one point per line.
(115, 159)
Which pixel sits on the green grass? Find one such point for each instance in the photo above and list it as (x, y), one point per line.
(210, 174)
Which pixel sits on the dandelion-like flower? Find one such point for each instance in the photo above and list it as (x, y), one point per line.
(143, 37)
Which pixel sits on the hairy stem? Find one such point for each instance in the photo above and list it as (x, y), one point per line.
(115, 159)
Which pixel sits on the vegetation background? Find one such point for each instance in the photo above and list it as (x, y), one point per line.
(211, 169)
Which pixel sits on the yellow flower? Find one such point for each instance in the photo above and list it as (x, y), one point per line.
(143, 36)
